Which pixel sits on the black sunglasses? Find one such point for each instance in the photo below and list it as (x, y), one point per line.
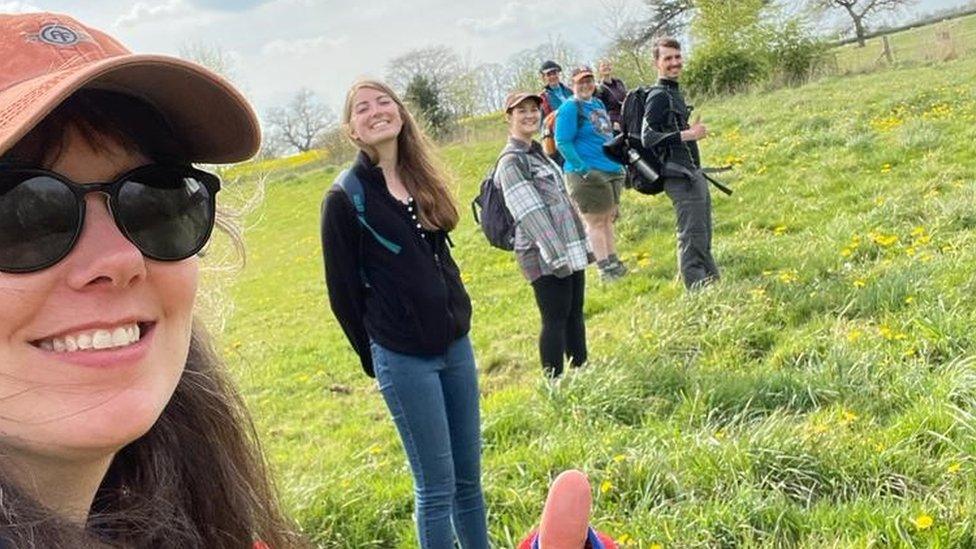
(166, 211)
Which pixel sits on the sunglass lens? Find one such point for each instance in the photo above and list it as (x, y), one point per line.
(168, 213)
(39, 221)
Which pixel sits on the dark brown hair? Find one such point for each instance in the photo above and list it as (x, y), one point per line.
(424, 178)
(664, 42)
(197, 478)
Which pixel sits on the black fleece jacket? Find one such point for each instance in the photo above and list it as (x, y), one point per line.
(665, 116)
(412, 302)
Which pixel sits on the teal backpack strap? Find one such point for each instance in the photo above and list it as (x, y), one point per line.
(353, 187)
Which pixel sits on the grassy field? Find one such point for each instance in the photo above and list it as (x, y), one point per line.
(927, 44)
(822, 395)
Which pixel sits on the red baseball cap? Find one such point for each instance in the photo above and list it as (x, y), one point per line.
(46, 57)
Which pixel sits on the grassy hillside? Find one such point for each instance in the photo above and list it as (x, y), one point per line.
(926, 44)
(823, 394)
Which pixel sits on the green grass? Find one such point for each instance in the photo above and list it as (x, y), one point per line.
(923, 45)
(822, 395)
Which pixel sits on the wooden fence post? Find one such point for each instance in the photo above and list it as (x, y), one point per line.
(886, 51)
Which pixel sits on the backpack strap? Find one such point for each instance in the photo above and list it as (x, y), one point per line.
(353, 187)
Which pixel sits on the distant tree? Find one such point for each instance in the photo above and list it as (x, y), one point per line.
(858, 10)
(664, 17)
(302, 122)
(212, 56)
(442, 68)
(622, 23)
(494, 83)
(524, 65)
(425, 97)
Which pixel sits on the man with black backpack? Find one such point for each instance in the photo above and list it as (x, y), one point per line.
(673, 139)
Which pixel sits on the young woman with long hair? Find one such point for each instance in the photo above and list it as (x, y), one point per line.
(118, 424)
(397, 293)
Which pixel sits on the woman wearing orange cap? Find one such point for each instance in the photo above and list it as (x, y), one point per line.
(118, 424)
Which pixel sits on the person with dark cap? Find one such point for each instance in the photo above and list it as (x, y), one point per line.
(668, 131)
(550, 240)
(554, 92)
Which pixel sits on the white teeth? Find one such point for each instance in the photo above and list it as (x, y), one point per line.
(102, 338)
(120, 336)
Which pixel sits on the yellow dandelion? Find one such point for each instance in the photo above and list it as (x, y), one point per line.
(606, 486)
(884, 240)
(788, 276)
(854, 335)
(656, 546)
(860, 282)
(909, 300)
(923, 521)
(618, 458)
(954, 467)
(848, 416)
(779, 230)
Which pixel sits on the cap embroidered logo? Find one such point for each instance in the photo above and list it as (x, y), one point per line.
(58, 35)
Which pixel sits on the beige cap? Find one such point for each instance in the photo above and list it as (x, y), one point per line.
(580, 73)
(46, 57)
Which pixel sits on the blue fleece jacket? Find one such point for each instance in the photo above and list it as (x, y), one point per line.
(582, 144)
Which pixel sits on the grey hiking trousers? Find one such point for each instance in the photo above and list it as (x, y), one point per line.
(693, 211)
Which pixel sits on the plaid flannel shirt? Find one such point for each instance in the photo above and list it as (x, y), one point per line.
(549, 235)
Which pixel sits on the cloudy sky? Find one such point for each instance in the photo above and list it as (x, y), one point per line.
(278, 46)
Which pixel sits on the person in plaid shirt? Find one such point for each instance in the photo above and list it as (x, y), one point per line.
(550, 241)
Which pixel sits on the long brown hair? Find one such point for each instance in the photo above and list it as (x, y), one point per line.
(197, 479)
(419, 170)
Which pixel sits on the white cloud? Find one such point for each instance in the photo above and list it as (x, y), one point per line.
(18, 7)
(143, 12)
(301, 46)
(487, 25)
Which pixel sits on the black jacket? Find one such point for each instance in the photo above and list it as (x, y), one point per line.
(665, 116)
(613, 96)
(415, 302)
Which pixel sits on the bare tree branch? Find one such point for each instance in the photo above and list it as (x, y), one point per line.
(858, 10)
(302, 122)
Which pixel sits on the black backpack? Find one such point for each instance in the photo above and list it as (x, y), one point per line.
(631, 127)
(494, 219)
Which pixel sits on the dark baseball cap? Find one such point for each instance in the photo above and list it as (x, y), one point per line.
(550, 66)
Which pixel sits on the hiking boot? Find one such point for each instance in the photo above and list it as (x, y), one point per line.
(618, 267)
(609, 274)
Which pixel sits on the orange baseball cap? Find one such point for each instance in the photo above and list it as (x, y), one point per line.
(46, 57)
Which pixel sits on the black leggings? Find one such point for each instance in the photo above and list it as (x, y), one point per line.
(563, 334)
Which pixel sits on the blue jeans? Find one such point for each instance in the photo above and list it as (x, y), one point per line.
(434, 403)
